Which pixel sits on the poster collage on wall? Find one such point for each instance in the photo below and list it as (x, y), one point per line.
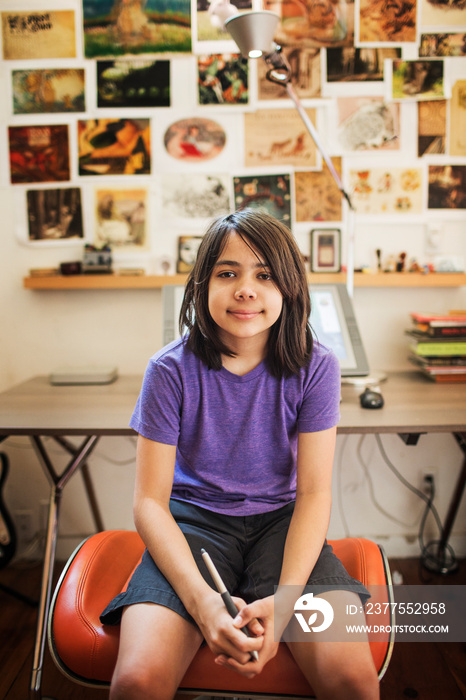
(104, 147)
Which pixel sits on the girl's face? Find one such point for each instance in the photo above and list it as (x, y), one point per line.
(243, 299)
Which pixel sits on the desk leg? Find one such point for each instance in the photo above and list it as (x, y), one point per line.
(89, 486)
(58, 482)
(442, 552)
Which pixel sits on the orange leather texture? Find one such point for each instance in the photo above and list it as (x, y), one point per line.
(100, 570)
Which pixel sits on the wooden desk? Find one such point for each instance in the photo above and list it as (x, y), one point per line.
(413, 406)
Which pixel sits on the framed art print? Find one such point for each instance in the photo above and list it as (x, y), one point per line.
(54, 215)
(39, 153)
(325, 250)
(35, 34)
(48, 90)
(187, 252)
(141, 82)
(115, 29)
(121, 219)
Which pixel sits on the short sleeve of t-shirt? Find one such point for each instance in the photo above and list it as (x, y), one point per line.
(158, 408)
(320, 407)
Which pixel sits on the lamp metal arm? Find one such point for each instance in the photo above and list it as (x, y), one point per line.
(280, 74)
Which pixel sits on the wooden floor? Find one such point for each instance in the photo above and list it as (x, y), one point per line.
(425, 671)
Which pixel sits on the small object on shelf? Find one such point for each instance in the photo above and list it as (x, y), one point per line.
(44, 272)
(378, 253)
(187, 252)
(325, 250)
(449, 263)
(400, 265)
(97, 260)
(71, 268)
(131, 271)
(390, 265)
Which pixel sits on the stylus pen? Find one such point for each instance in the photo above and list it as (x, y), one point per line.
(229, 604)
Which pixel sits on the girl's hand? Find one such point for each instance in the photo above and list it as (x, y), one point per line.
(262, 613)
(224, 638)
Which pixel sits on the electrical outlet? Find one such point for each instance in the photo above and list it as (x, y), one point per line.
(24, 525)
(428, 482)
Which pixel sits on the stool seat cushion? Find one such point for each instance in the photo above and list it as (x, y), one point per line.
(86, 651)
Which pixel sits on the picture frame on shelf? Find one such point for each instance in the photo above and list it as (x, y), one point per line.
(325, 250)
(187, 252)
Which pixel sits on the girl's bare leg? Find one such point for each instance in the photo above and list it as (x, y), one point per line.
(338, 670)
(156, 647)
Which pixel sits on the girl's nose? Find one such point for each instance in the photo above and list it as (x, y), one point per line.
(245, 291)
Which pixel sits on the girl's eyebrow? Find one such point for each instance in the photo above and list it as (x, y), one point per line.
(235, 263)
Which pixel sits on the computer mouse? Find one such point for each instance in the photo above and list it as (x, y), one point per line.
(371, 399)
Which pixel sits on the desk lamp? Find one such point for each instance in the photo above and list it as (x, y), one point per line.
(253, 33)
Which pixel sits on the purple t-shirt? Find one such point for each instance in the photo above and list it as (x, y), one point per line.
(236, 436)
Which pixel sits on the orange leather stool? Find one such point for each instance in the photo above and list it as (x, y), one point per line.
(100, 568)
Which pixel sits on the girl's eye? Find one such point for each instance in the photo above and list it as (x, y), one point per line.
(226, 274)
(265, 276)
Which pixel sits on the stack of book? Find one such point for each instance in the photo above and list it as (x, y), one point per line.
(437, 345)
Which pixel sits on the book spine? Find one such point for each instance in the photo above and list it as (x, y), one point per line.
(447, 332)
(441, 349)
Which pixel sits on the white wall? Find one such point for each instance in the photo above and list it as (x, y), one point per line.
(42, 330)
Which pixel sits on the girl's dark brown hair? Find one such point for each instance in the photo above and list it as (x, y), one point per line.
(290, 338)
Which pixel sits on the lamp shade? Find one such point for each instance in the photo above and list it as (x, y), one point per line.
(253, 31)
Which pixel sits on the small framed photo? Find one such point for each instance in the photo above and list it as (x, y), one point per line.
(187, 252)
(325, 250)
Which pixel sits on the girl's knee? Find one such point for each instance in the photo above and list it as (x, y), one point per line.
(141, 683)
(355, 681)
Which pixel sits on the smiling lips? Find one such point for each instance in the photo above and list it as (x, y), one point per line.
(244, 314)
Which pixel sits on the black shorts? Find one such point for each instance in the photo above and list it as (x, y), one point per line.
(247, 551)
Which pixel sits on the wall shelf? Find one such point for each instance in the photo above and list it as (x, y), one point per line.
(361, 279)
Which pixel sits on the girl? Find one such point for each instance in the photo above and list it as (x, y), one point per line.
(237, 425)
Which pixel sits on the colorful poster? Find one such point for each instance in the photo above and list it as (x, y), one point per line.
(199, 196)
(317, 195)
(211, 15)
(39, 153)
(458, 119)
(133, 82)
(270, 193)
(278, 137)
(444, 44)
(432, 125)
(358, 64)
(194, 140)
(418, 80)
(119, 27)
(367, 124)
(313, 24)
(447, 187)
(441, 13)
(48, 90)
(114, 147)
(382, 22)
(121, 219)
(38, 34)
(386, 190)
(54, 214)
(223, 79)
